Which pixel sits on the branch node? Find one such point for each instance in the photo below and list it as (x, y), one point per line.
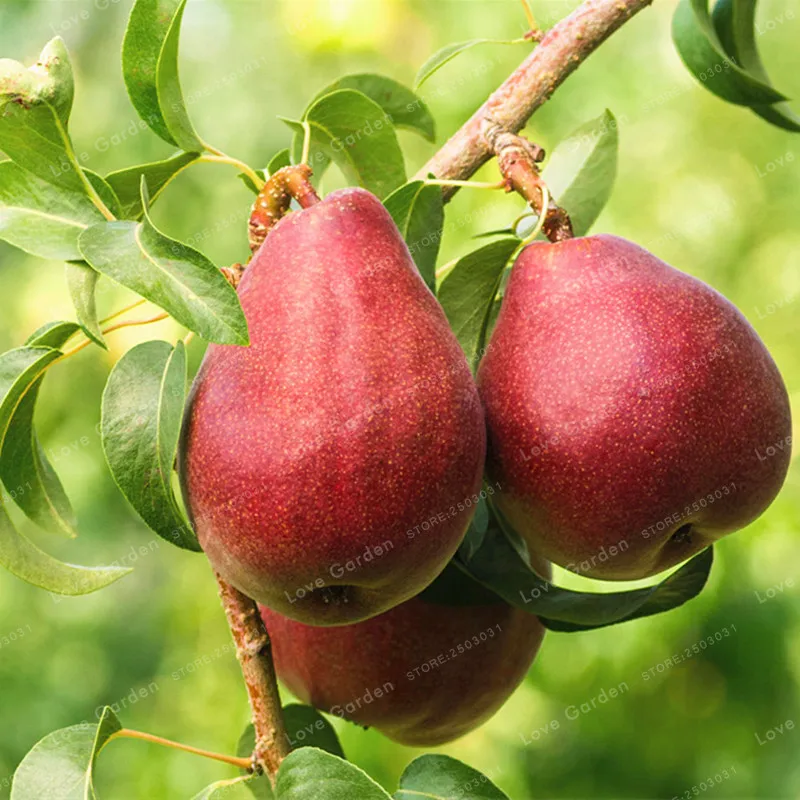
(518, 161)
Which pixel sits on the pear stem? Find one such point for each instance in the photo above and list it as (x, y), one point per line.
(274, 199)
(254, 651)
(518, 161)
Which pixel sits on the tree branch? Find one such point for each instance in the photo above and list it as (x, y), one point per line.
(254, 652)
(564, 47)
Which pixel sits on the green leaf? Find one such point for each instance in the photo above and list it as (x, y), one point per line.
(127, 182)
(499, 566)
(306, 727)
(468, 291)
(232, 789)
(27, 474)
(142, 411)
(702, 52)
(40, 218)
(418, 211)
(439, 777)
(82, 282)
(449, 52)
(168, 273)
(582, 169)
(60, 766)
(734, 22)
(353, 131)
(36, 139)
(19, 371)
(281, 159)
(405, 108)
(312, 774)
(150, 70)
(49, 81)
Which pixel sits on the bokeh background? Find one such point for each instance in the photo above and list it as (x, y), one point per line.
(705, 185)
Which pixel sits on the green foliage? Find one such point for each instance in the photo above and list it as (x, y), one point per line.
(167, 272)
(127, 183)
(418, 212)
(60, 766)
(355, 133)
(721, 53)
(441, 777)
(468, 292)
(150, 69)
(142, 411)
(23, 463)
(581, 171)
(309, 773)
(41, 218)
(403, 107)
(449, 52)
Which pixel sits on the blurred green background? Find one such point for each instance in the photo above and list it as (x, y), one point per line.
(707, 186)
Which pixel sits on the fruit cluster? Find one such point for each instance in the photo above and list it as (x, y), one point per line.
(614, 394)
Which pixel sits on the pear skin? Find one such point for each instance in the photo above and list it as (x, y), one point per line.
(328, 468)
(634, 415)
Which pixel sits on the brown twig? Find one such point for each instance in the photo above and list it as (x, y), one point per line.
(518, 160)
(254, 652)
(565, 46)
(273, 200)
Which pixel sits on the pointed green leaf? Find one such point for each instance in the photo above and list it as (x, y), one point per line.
(439, 777)
(142, 411)
(702, 52)
(581, 171)
(418, 211)
(150, 70)
(27, 474)
(404, 107)
(312, 774)
(734, 22)
(168, 273)
(449, 52)
(126, 183)
(60, 766)
(82, 282)
(23, 558)
(468, 291)
(281, 159)
(36, 139)
(355, 132)
(498, 566)
(19, 371)
(306, 727)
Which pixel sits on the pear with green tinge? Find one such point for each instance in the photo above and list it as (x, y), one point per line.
(634, 415)
(325, 467)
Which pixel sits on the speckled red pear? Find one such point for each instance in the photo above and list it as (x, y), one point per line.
(326, 466)
(634, 415)
(422, 674)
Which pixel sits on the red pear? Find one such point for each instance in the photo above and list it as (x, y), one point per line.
(328, 467)
(422, 674)
(634, 415)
